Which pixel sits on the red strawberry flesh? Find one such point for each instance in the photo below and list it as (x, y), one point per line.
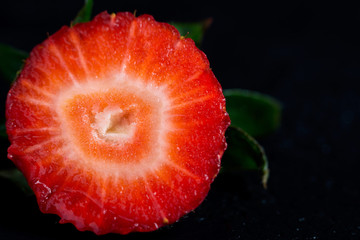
(118, 124)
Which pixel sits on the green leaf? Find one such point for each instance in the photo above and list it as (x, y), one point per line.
(244, 153)
(84, 15)
(193, 30)
(11, 61)
(255, 113)
(3, 131)
(16, 177)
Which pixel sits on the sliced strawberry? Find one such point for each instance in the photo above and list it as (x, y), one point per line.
(118, 124)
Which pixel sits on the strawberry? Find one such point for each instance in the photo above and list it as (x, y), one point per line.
(117, 124)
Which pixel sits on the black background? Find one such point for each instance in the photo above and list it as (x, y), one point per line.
(307, 55)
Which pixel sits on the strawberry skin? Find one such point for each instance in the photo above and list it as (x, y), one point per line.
(117, 124)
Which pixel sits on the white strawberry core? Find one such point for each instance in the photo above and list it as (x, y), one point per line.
(114, 124)
(115, 127)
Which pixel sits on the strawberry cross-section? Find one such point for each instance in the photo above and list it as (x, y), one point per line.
(118, 124)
